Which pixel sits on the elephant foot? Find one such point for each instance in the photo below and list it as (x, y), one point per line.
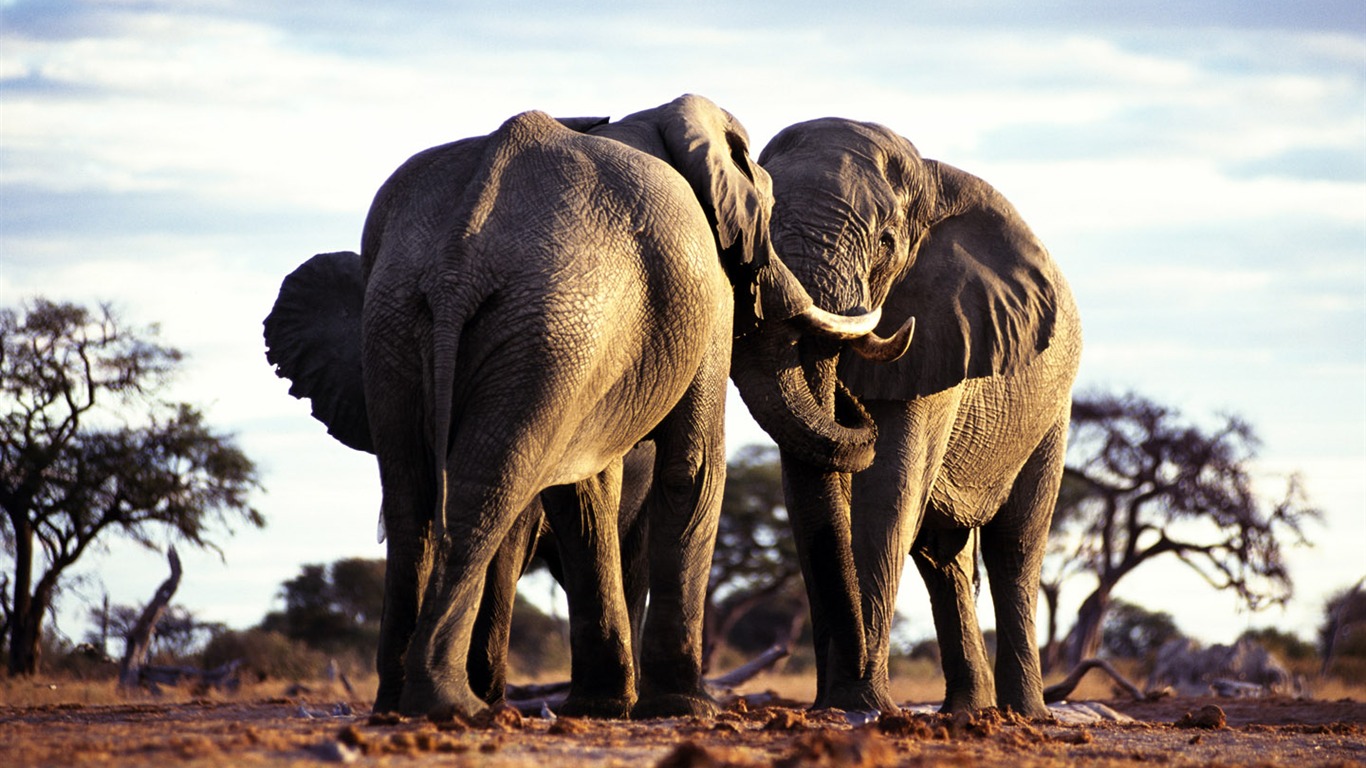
(600, 707)
(858, 697)
(675, 705)
(966, 702)
(439, 702)
(1032, 709)
(385, 702)
(389, 695)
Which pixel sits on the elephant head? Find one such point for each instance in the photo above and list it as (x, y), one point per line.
(865, 223)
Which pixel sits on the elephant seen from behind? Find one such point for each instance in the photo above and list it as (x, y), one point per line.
(313, 335)
(961, 441)
(535, 303)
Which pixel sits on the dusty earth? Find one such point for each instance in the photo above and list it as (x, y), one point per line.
(303, 731)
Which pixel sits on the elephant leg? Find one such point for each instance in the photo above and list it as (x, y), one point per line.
(682, 511)
(946, 559)
(406, 509)
(479, 516)
(827, 561)
(584, 517)
(487, 665)
(1013, 545)
(888, 502)
(635, 577)
(402, 587)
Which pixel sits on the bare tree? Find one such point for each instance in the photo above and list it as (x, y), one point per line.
(88, 450)
(1152, 484)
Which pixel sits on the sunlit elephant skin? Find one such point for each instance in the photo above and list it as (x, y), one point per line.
(970, 425)
(536, 302)
(314, 334)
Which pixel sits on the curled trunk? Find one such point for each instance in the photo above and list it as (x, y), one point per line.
(804, 408)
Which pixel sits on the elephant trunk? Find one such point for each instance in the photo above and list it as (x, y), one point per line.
(801, 404)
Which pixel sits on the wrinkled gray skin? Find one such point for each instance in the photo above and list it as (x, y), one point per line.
(536, 302)
(313, 335)
(970, 426)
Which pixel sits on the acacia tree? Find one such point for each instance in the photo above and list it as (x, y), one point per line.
(755, 558)
(332, 607)
(1146, 483)
(88, 451)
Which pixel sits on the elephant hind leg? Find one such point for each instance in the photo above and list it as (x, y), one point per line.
(1013, 545)
(947, 559)
(407, 498)
(487, 663)
(480, 516)
(683, 509)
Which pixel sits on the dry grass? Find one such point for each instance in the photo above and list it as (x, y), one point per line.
(919, 683)
(59, 690)
(1333, 689)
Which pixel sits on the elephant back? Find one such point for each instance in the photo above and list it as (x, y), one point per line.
(313, 338)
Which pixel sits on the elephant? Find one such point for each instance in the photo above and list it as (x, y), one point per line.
(956, 446)
(536, 302)
(313, 338)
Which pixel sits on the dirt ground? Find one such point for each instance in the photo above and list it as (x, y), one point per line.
(307, 730)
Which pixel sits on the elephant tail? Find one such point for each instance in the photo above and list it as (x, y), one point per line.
(445, 348)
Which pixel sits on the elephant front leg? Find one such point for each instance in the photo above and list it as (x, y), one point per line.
(584, 518)
(946, 559)
(817, 508)
(1013, 545)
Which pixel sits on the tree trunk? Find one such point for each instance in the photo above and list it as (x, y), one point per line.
(140, 639)
(1084, 640)
(26, 620)
(1051, 652)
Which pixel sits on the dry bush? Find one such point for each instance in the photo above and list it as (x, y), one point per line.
(266, 655)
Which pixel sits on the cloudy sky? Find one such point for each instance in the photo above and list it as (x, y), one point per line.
(1198, 169)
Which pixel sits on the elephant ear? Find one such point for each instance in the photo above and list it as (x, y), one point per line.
(710, 148)
(984, 293)
(313, 338)
(582, 124)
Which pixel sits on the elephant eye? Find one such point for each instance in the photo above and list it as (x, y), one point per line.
(887, 242)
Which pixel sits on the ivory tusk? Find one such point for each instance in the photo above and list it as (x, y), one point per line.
(876, 348)
(840, 327)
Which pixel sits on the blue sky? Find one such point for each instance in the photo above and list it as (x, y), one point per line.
(1198, 169)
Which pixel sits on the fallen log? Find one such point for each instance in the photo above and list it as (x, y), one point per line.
(1059, 691)
(749, 669)
(223, 677)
